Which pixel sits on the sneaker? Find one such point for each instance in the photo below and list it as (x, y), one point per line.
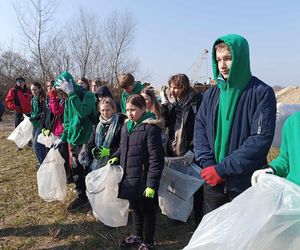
(146, 246)
(78, 204)
(131, 241)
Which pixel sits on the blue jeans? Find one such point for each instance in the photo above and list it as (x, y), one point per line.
(39, 149)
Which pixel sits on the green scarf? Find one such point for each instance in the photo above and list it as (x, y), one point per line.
(137, 89)
(230, 90)
(132, 125)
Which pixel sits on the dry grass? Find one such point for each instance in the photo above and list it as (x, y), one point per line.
(27, 222)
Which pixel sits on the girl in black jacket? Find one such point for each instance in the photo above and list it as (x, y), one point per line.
(142, 159)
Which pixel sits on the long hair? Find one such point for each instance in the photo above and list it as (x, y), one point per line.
(155, 108)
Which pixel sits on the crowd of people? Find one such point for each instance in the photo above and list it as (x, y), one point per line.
(227, 131)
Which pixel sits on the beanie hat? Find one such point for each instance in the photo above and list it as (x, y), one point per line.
(20, 79)
(103, 91)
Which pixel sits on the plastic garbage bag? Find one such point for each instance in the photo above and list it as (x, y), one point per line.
(51, 177)
(283, 112)
(178, 183)
(102, 187)
(265, 216)
(22, 134)
(46, 140)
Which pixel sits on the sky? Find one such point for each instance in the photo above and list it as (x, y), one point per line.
(171, 35)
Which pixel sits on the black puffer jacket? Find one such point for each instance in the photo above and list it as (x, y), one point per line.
(141, 156)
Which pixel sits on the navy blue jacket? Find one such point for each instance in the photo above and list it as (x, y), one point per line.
(141, 156)
(251, 137)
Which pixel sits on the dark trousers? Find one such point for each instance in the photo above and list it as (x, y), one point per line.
(198, 206)
(39, 149)
(78, 171)
(214, 197)
(64, 151)
(143, 218)
(18, 119)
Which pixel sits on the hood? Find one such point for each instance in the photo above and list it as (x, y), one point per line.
(69, 78)
(240, 73)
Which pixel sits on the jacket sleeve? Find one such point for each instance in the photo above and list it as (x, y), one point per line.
(55, 107)
(281, 163)
(204, 155)
(85, 107)
(9, 101)
(156, 157)
(248, 157)
(66, 123)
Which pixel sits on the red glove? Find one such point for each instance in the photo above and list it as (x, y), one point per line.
(52, 94)
(211, 176)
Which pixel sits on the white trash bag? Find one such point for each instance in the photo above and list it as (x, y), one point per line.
(45, 140)
(102, 187)
(177, 185)
(265, 216)
(22, 134)
(51, 177)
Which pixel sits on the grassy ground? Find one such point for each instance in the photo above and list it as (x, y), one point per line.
(27, 222)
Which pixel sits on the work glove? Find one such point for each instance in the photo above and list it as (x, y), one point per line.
(211, 176)
(57, 143)
(149, 192)
(189, 157)
(101, 152)
(65, 86)
(113, 161)
(163, 95)
(46, 132)
(257, 173)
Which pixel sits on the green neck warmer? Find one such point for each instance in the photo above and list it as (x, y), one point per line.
(132, 125)
(230, 90)
(137, 89)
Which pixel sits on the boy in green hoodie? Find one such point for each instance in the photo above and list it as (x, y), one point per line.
(130, 87)
(79, 116)
(287, 164)
(235, 125)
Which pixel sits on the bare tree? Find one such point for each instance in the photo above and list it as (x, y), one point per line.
(119, 35)
(85, 42)
(34, 21)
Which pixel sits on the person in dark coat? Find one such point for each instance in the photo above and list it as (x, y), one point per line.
(235, 124)
(142, 159)
(179, 104)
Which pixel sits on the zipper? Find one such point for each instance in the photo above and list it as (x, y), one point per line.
(260, 119)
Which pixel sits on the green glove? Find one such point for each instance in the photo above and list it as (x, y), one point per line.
(46, 132)
(104, 152)
(149, 192)
(112, 161)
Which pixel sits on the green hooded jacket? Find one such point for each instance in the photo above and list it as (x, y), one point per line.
(80, 113)
(287, 164)
(230, 90)
(137, 89)
(35, 115)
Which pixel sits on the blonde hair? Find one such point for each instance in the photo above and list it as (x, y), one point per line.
(109, 101)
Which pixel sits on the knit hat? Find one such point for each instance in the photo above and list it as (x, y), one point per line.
(103, 91)
(20, 79)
